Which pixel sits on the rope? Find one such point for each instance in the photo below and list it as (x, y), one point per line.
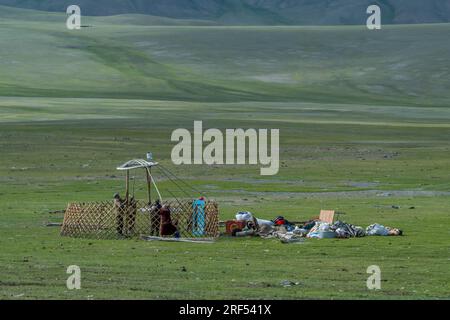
(183, 206)
(176, 184)
(182, 181)
(172, 177)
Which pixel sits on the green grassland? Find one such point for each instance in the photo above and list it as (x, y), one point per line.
(364, 123)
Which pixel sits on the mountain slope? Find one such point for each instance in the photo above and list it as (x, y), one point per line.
(117, 58)
(254, 12)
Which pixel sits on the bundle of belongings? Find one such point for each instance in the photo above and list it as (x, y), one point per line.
(338, 229)
(288, 232)
(278, 228)
(379, 230)
(253, 226)
(343, 230)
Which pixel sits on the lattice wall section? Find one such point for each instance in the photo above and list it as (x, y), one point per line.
(104, 220)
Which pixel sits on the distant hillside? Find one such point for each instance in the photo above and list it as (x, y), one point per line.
(254, 12)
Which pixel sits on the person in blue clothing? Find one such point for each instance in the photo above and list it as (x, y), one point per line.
(199, 217)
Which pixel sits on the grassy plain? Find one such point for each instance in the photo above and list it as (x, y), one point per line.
(364, 120)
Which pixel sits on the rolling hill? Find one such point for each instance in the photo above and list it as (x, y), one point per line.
(118, 57)
(258, 12)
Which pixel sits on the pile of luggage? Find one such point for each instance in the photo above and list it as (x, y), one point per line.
(246, 224)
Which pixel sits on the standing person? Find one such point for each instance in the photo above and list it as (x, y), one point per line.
(119, 205)
(130, 217)
(154, 218)
(199, 218)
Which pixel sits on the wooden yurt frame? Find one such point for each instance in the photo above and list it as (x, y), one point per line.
(194, 219)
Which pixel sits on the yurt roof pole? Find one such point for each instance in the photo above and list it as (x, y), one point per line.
(152, 180)
(127, 187)
(147, 165)
(149, 184)
(136, 164)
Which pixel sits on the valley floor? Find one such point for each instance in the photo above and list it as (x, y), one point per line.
(353, 158)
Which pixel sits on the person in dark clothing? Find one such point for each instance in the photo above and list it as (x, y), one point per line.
(167, 228)
(119, 205)
(130, 218)
(154, 218)
(125, 215)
